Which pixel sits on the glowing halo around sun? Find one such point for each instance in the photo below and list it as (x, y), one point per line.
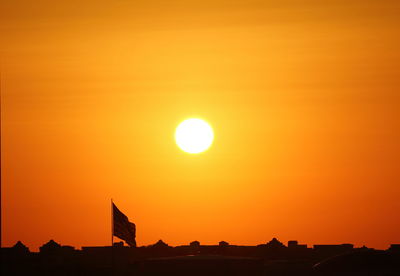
(194, 135)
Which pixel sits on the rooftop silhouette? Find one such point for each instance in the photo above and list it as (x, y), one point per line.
(270, 258)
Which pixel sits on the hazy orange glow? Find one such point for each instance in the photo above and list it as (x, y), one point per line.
(304, 96)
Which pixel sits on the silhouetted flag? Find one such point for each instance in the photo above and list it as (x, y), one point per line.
(123, 228)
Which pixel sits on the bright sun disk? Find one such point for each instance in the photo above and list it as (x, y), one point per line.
(194, 135)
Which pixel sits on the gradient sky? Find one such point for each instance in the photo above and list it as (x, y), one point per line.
(303, 97)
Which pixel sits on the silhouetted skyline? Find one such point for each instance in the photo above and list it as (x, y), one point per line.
(271, 258)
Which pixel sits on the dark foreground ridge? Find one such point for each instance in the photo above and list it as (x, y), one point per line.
(272, 258)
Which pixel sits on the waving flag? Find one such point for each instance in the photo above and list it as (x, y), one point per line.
(122, 227)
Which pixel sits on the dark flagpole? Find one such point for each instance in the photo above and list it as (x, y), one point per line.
(112, 224)
(112, 238)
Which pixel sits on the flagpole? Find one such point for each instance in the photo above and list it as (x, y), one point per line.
(112, 224)
(112, 238)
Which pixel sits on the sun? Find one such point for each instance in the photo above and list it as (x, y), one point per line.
(194, 135)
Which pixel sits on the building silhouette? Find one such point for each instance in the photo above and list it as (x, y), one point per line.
(271, 258)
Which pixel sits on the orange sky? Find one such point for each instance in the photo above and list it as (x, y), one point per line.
(303, 97)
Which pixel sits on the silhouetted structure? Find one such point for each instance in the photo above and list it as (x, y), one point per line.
(272, 258)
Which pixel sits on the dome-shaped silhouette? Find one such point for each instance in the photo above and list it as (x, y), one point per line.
(50, 246)
(195, 244)
(275, 243)
(223, 244)
(20, 248)
(160, 244)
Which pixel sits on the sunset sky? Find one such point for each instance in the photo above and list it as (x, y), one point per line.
(303, 98)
